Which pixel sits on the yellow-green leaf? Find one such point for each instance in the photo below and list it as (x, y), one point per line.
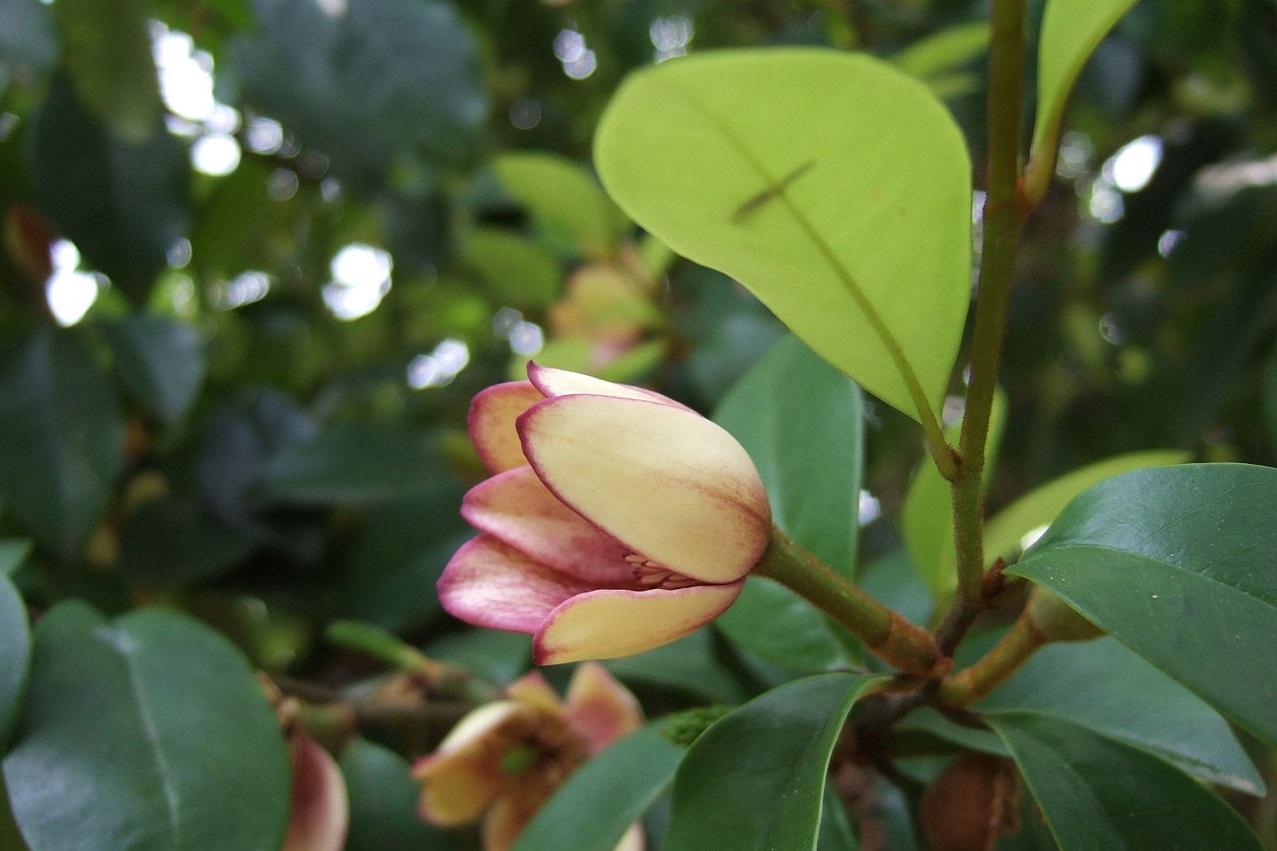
(833, 186)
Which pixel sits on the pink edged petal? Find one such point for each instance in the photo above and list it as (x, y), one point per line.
(609, 624)
(533, 690)
(560, 382)
(602, 708)
(487, 583)
(667, 483)
(516, 508)
(320, 813)
(491, 423)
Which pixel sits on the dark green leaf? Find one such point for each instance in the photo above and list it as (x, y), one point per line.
(694, 664)
(122, 203)
(160, 361)
(755, 779)
(13, 553)
(801, 422)
(594, 808)
(836, 832)
(383, 804)
(1096, 793)
(1176, 563)
(28, 46)
(15, 656)
(777, 625)
(107, 53)
(348, 464)
(499, 657)
(171, 543)
(149, 732)
(1108, 689)
(63, 439)
(400, 556)
(382, 78)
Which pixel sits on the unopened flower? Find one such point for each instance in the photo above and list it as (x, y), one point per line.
(616, 520)
(504, 760)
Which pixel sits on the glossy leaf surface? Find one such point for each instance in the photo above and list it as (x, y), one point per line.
(1096, 793)
(147, 732)
(15, 656)
(64, 440)
(598, 803)
(383, 804)
(1177, 563)
(802, 424)
(160, 361)
(833, 186)
(1039, 507)
(755, 779)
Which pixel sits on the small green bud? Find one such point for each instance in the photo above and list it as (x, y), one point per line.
(683, 728)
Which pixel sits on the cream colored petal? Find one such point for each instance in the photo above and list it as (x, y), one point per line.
(508, 816)
(533, 690)
(488, 583)
(517, 509)
(561, 382)
(600, 707)
(667, 483)
(632, 840)
(491, 423)
(462, 776)
(609, 624)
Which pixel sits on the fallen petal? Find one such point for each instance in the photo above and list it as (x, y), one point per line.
(516, 508)
(609, 624)
(666, 482)
(601, 707)
(491, 423)
(560, 382)
(488, 583)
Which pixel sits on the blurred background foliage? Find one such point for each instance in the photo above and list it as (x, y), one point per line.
(258, 256)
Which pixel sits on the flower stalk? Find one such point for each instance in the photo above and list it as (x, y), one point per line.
(883, 631)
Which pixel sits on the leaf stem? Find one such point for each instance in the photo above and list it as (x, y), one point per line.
(885, 632)
(970, 684)
(1004, 213)
(444, 677)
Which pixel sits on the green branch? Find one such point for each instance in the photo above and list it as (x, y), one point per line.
(886, 634)
(1003, 215)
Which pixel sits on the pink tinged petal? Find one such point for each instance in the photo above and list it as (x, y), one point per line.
(609, 624)
(516, 508)
(488, 583)
(532, 690)
(491, 423)
(320, 814)
(560, 382)
(600, 707)
(462, 777)
(667, 483)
